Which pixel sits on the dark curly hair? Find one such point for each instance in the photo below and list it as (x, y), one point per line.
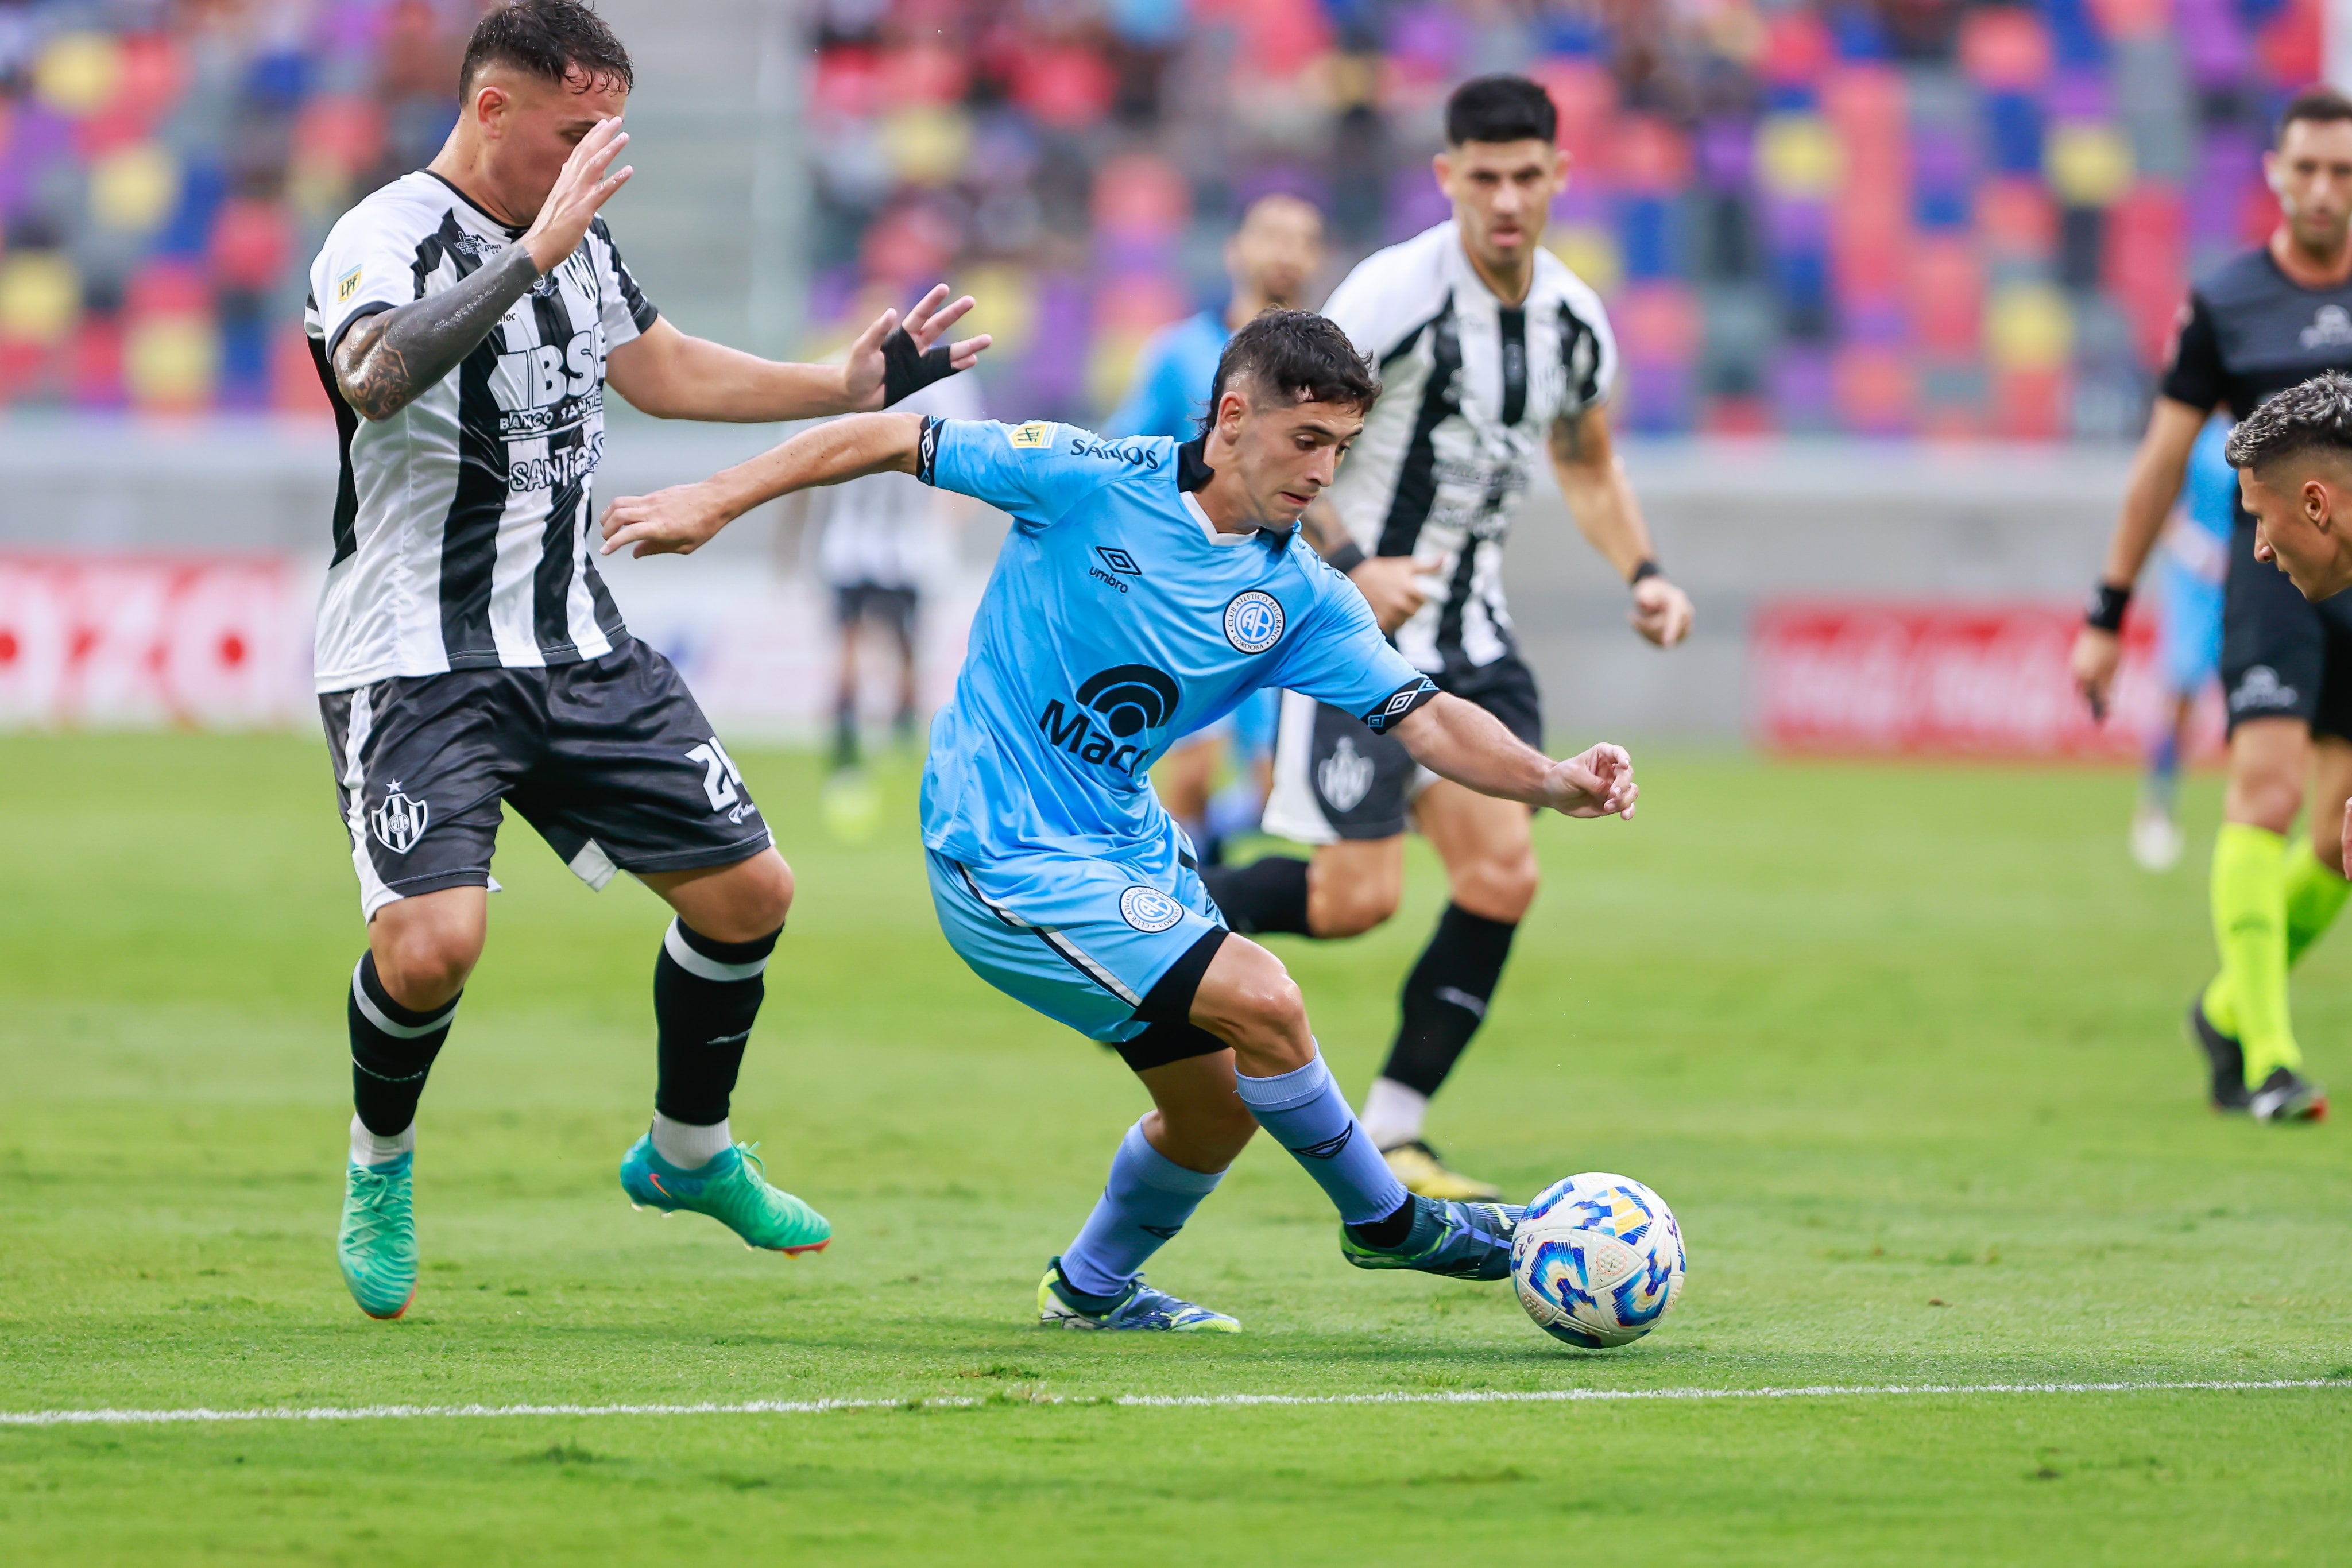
(549, 39)
(1295, 356)
(2314, 417)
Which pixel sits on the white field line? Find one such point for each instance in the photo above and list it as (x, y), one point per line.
(1140, 1401)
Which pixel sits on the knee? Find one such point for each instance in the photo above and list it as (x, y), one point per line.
(423, 966)
(1499, 887)
(1349, 907)
(758, 897)
(1272, 1013)
(2265, 799)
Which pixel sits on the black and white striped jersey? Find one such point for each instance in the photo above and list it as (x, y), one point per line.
(461, 522)
(1471, 388)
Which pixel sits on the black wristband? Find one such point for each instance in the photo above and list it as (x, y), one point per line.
(1648, 568)
(2105, 610)
(907, 370)
(1347, 558)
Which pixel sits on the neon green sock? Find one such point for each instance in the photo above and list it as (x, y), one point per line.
(2249, 893)
(2314, 895)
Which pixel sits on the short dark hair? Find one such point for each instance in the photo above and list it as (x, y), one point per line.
(2314, 417)
(1500, 109)
(548, 38)
(1299, 357)
(2321, 104)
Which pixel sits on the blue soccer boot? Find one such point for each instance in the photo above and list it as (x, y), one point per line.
(1059, 1306)
(1459, 1241)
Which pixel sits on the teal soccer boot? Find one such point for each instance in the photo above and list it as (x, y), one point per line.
(734, 1191)
(1141, 1309)
(377, 1246)
(1459, 1241)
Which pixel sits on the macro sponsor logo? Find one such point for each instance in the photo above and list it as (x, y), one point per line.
(1112, 708)
(1134, 454)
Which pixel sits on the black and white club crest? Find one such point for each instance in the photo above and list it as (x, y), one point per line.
(400, 822)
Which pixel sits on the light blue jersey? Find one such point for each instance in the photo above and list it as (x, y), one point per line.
(1173, 377)
(2194, 565)
(1118, 619)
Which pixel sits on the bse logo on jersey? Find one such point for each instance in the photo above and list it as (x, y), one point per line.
(1253, 621)
(1121, 702)
(1149, 909)
(400, 822)
(547, 375)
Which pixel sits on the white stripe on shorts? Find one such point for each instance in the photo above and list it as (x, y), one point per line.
(1056, 941)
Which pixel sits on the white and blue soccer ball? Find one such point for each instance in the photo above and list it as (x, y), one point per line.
(1598, 1259)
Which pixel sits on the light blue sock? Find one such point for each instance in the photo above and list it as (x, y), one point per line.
(1146, 1201)
(1308, 1115)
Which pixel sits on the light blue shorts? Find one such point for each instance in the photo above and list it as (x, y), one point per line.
(1081, 940)
(2189, 627)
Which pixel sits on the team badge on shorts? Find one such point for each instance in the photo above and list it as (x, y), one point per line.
(1149, 909)
(1253, 621)
(399, 822)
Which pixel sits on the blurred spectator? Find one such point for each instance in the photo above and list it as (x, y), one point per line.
(1874, 216)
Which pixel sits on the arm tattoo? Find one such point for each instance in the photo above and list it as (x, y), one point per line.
(386, 361)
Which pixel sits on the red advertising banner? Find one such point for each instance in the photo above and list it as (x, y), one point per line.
(212, 643)
(1947, 680)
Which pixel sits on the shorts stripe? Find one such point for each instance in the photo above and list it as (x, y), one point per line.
(357, 728)
(1070, 951)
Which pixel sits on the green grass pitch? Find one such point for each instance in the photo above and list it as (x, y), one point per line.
(1900, 1044)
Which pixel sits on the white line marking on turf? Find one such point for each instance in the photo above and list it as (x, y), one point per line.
(1138, 1401)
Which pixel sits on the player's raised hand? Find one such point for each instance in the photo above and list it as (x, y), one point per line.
(1662, 612)
(2096, 654)
(583, 187)
(892, 360)
(675, 521)
(1598, 782)
(1392, 585)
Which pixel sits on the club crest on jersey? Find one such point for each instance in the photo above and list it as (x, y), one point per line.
(1149, 909)
(400, 822)
(346, 285)
(1253, 621)
(1037, 435)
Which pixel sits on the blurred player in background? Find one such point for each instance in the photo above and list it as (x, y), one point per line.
(1271, 258)
(466, 320)
(2260, 323)
(1491, 352)
(878, 540)
(2192, 563)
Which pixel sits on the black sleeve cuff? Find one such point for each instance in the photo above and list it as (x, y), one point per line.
(927, 451)
(1347, 558)
(1408, 698)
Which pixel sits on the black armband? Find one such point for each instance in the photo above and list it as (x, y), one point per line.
(1649, 568)
(1347, 558)
(907, 370)
(2105, 610)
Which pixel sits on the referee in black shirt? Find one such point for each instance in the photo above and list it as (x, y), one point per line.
(2263, 321)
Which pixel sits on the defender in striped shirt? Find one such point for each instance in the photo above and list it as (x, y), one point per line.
(466, 320)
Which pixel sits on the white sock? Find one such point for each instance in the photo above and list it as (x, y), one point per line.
(367, 1149)
(1392, 1113)
(687, 1146)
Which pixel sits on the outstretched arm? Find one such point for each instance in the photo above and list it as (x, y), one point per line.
(1600, 498)
(2157, 471)
(664, 373)
(1462, 741)
(684, 517)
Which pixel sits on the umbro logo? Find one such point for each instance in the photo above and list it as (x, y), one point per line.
(1121, 564)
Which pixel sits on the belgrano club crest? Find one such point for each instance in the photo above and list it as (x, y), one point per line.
(399, 822)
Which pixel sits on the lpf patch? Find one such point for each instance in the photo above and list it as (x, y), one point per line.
(400, 822)
(1253, 621)
(346, 285)
(1149, 909)
(1037, 435)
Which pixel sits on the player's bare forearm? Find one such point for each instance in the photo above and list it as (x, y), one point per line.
(683, 518)
(386, 361)
(668, 374)
(1462, 741)
(2154, 485)
(1600, 496)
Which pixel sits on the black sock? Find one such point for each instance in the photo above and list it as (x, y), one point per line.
(1390, 1231)
(393, 1047)
(1445, 997)
(1268, 894)
(705, 994)
(845, 734)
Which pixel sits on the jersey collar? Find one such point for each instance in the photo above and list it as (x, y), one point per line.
(508, 229)
(1193, 470)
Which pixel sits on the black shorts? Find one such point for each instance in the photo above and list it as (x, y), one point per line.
(894, 607)
(1334, 779)
(2282, 655)
(609, 759)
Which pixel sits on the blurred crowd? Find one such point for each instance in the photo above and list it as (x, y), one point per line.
(1865, 216)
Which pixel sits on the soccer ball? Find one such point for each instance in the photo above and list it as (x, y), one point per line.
(1598, 1259)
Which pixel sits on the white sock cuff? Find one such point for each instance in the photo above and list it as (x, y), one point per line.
(370, 1148)
(701, 965)
(1393, 1113)
(688, 1147)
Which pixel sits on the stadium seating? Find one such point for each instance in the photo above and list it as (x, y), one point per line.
(1883, 217)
